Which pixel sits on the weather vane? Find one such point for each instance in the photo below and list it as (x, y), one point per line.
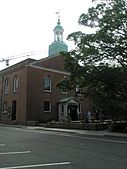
(58, 13)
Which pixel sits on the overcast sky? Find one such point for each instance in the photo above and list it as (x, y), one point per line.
(27, 25)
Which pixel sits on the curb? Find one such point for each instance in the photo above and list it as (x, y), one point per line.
(73, 131)
(81, 132)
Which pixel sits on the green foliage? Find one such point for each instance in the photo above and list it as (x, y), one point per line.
(98, 64)
(109, 42)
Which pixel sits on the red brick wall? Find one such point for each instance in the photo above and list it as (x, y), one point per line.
(55, 62)
(19, 96)
(30, 96)
(38, 95)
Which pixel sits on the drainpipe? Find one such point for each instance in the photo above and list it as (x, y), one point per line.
(2, 97)
(27, 91)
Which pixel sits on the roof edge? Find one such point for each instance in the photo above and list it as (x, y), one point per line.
(51, 70)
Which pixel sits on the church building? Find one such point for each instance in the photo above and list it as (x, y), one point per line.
(28, 89)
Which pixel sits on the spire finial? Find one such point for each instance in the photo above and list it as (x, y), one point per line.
(58, 13)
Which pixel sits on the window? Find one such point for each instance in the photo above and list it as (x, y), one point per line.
(5, 107)
(62, 108)
(6, 86)
(63, 86)
(47, 106)
(64, 91)
(47, 83)
(79, 107)
(15, 84)
(78, 90)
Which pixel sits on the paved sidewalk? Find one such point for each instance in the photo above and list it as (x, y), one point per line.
(83, 132)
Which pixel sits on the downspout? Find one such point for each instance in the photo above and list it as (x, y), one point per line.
(27, 95)
(28, 92)
(2, 97)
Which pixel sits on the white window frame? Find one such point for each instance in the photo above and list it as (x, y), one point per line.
(49, 84)
(64, 92)
(4, 107)
(78, 91)
(6, 86)
(15, 83)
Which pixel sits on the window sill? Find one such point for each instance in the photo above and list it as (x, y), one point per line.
(48, 112)
(64, 93)
(14, 91)
(4, 112)
(47, 91)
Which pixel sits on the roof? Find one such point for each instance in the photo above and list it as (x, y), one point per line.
(38, 64)
(17, 66)
(58, 26)
(57, 47)
(69, 100)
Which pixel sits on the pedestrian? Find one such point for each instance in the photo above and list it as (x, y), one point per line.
(89, 116)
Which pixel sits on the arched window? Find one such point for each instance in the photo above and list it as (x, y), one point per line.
(15, 84)
(47, 83)
(6, 86)
(62, 85)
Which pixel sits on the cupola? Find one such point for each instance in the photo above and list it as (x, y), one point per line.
(58, 45)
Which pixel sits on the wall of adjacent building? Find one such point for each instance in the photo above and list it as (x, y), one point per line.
(19, 96)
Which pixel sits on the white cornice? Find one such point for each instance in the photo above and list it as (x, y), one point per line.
(51, 70)
(43, 59)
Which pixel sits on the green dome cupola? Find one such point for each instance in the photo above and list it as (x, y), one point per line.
(58, 45)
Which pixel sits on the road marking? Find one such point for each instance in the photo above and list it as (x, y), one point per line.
(17, 152)
(67, 134)
(92, 138)
(101, 139)
(114, 141)
(1, 145)
(106, 140)
(38, 165)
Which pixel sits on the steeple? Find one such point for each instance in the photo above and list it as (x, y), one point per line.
(58, 45)
(58, 32)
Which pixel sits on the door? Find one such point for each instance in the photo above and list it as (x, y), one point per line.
(72, 110)
(14, 110)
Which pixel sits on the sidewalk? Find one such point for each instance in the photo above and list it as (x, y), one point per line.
(74, 131)
(82, 132)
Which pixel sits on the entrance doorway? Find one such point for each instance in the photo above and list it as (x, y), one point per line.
(72, 110)
(14, 110)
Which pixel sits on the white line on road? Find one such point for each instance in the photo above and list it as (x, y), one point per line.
(94, 138)
(104, 140)
(77, 136)
(38, 165)
(1, 145)
(17, 152)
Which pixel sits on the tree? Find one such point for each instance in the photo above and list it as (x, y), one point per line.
(98, 64)
(109, 42)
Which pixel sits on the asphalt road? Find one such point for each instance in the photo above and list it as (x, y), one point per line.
(35, 149)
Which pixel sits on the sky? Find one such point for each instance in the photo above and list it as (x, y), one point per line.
(26, 26)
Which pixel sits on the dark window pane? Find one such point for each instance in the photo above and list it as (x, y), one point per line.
(47, 106)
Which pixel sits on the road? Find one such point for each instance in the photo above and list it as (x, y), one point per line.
(35, 149)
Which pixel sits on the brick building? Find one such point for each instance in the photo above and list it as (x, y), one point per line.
(28, 89)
